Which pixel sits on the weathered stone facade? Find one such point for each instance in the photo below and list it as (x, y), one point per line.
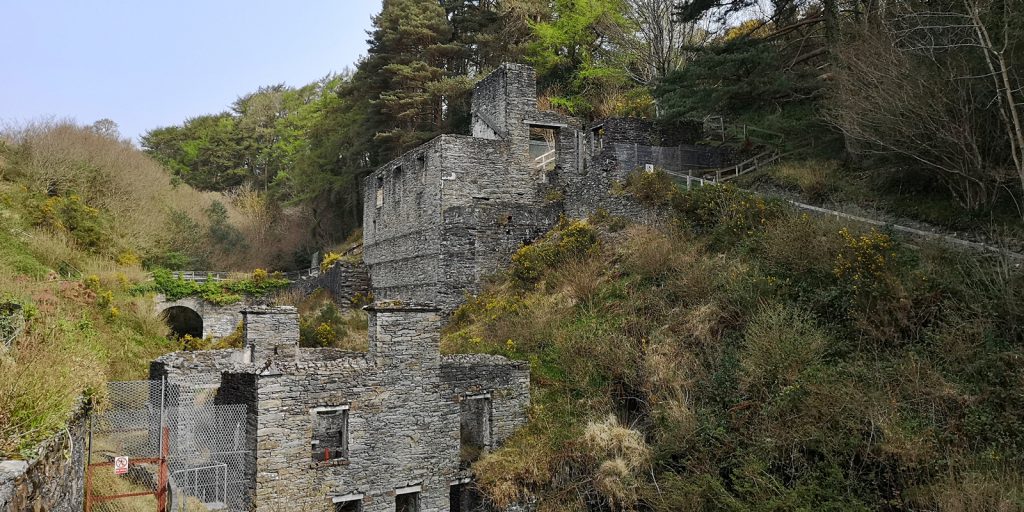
(398, 422)
(344, 281)
(214, 320)
(440, 218)
(54, 481)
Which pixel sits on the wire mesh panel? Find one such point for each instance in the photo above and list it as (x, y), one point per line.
(174, 433)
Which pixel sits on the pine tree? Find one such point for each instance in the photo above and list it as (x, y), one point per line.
(402, 75)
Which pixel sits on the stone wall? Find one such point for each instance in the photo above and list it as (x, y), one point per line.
(401, 430)
(401, 236)
(55, 480)
(507, 382)
(479, 240)
(343, 281)
(218, 321)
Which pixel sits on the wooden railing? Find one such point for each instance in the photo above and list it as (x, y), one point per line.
(542, 161)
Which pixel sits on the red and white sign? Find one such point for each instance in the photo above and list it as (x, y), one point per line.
(120, 465)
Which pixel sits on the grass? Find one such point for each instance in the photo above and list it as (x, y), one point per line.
(764, 360)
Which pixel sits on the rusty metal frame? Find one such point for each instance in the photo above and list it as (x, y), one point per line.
(162, 478)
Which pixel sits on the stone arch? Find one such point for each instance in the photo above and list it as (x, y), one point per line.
(183, 320)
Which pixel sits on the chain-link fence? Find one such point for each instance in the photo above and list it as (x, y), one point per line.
(680, 158)
(185, 452)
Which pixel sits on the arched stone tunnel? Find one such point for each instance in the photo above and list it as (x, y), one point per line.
(198, 318)
(183, 320)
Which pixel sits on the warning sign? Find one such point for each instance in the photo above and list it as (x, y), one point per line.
(120, 465)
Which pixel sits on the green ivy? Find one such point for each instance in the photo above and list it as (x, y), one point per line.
(215, 292)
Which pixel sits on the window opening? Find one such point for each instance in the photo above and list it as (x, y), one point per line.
(380, 191)
(330, 434)
(597, 139)
(474, 427)
(464, 497)
(351, 505)
(407, 502)
(543, 148)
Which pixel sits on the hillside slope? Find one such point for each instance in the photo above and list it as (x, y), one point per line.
(748, 357)
(81, 213)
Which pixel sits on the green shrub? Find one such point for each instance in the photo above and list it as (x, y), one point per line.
(69, 214)
(654, 188)
(725, 212)
(568, 241)
(222, 292)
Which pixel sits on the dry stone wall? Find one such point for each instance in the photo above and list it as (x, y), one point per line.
(343, 282)
(54, 481)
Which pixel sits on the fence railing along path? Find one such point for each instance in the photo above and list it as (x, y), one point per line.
(202, 276)
(694, 181)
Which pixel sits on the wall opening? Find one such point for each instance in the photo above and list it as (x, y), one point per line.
(330, 434)
(352, 505)
(597, 139)
(183, 320)
(465, 498)
(543, 148)
(380, 191)
(407, 502)
(474, 427)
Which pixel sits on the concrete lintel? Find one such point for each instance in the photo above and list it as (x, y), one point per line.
(354, 496)
(544, 124)
(315, 410)
(409, 489)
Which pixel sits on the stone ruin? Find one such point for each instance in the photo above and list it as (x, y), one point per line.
(394, 428)
(440, 218)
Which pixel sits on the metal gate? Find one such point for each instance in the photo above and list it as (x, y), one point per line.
(167, 447)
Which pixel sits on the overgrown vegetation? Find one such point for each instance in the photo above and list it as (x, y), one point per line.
(228, 291)
(109, 198)
(750, 357)
(323, 324)
(79, 331)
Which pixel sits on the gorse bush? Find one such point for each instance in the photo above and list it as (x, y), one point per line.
(323, 324)
(86, 225)
(653, 188)
(570, 240)
(754, 371)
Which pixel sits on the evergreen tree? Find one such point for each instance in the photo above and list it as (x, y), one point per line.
(403, 73)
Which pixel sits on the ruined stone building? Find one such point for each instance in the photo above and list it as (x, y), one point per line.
(440, 218)
(391, 429)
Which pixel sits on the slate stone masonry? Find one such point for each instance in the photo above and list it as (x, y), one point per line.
(400, 403)
(441, 218)
(54, 481)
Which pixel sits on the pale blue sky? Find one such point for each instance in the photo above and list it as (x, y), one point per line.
(147, 63)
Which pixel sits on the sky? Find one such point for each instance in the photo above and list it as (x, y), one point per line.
(150, 63)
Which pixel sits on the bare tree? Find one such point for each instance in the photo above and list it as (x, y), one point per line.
(936, 86)
(654, 42)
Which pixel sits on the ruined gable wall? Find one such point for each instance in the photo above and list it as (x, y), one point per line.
(507, 381)
(402, 430)
(401, 238)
